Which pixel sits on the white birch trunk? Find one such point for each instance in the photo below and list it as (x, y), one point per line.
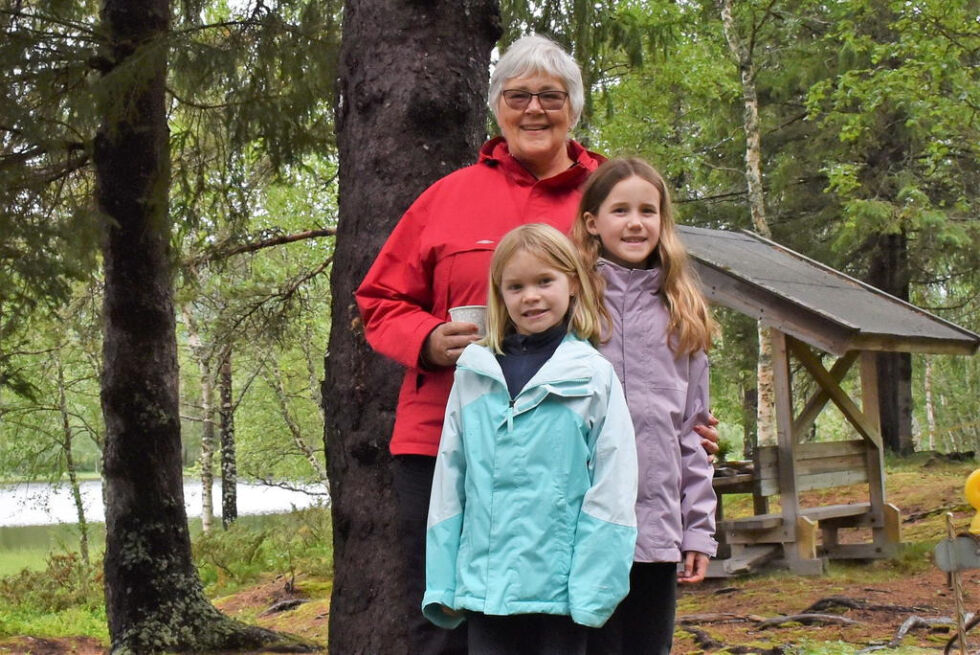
(203, 359)
(930, 410)
(766, 413)
(66, 446)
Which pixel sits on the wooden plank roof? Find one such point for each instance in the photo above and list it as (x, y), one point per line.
(813, 302)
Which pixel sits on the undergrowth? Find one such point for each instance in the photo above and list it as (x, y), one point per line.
(63, 599)
(286, 545)
(66, 597)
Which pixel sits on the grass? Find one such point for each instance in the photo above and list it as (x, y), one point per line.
(73, 621)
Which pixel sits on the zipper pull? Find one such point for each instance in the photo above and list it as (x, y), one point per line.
(510, 416)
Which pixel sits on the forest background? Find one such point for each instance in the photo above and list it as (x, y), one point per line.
(868, 133)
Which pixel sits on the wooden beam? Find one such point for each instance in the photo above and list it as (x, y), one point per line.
(819, 399)
(847, 406)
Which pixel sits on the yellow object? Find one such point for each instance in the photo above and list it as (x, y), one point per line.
(972, 492)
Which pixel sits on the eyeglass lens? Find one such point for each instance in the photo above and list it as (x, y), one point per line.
(549, 100)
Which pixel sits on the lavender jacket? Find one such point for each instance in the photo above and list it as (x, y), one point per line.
(667, 397)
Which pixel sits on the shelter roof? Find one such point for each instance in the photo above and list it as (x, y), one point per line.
(813, 302)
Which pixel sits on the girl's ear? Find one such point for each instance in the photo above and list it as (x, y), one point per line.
(590, 224)
(573, 287)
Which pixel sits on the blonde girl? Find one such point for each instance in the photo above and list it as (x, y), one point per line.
(661, 329)
(531, 526)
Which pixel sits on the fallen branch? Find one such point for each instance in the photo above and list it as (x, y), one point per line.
(971, 622)
(702, 638)
(807, 619)
(284, 605)
(715, 617)
(913, 622)
(832, 602)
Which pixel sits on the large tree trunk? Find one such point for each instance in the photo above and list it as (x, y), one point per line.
(411, 108)
(889, 271)
(154, 600)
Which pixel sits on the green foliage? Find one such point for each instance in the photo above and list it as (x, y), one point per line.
(868, 117)
(64, 584)
(285, 545)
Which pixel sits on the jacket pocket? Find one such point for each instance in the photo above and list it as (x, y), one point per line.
(466, 267)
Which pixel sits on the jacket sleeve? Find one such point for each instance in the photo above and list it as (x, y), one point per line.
(698, 498)
(605, 536)
(445, 522)
(395, 297)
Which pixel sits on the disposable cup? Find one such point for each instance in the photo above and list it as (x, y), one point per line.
(471, 314)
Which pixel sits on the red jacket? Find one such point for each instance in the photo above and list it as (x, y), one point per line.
(438, 256)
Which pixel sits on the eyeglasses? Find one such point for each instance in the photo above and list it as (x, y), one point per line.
(549, 100)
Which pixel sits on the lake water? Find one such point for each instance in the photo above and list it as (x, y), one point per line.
(39, 515)
(41, 503)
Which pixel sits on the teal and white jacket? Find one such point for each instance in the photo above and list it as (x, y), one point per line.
(532, 507)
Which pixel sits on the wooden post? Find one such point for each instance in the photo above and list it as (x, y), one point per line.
(884, 539)
(786, 463)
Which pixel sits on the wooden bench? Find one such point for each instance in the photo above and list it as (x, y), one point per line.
(817, 465)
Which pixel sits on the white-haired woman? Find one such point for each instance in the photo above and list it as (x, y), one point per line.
(438, 257)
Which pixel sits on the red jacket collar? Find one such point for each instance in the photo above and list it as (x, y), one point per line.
(496, 153)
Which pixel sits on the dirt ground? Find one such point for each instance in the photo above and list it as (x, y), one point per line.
(902, 606)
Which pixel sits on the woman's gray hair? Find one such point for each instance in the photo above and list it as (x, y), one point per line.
(535, 54)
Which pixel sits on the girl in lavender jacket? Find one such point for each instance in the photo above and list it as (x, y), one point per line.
(661, 328)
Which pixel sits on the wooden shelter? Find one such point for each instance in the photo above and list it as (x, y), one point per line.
(812, 308)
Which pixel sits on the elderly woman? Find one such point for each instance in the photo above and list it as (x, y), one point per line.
(438, 257)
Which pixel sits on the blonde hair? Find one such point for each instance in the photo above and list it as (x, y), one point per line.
(555, 249)
(691, 326)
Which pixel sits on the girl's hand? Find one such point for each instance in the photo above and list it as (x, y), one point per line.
(709, 436)
(445, 344)
(449, 611)
(695, 567)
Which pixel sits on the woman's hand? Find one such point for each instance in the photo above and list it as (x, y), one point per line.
(695, 567)
(709, 436)
(445, 344)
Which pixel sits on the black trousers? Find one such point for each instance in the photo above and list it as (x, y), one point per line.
(525, 634)
(643, 624)
(412, 479)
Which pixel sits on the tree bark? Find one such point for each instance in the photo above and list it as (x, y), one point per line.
(411, 108)
(229, 463)
(766, 402)
(154, 600)
(889, 271)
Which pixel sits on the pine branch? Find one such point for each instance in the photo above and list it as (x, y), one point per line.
(218, 253)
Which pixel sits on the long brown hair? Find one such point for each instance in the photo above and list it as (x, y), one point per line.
(691, 325)
(555, 249)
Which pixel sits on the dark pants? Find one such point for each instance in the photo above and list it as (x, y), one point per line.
(525, 634)
(643, 624)
(412, 478)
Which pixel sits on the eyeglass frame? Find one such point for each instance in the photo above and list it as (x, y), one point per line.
(531, 95)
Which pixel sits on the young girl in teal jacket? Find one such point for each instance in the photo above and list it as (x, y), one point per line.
(531, 526)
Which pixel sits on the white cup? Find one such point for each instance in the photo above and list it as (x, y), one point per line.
(471, 314)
